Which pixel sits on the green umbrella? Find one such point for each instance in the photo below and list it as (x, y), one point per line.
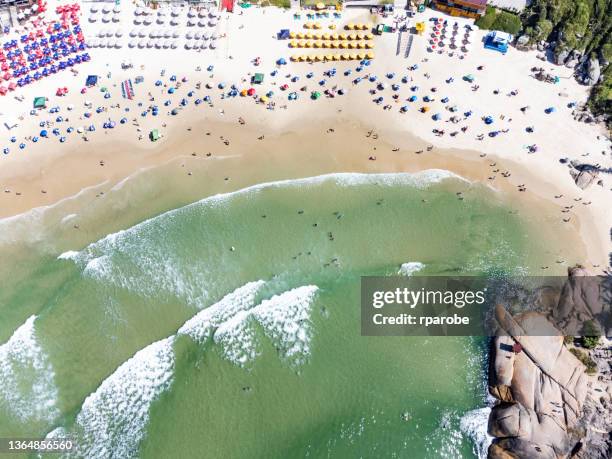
(315, 95)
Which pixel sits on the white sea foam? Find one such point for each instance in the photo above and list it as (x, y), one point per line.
(201, 326)
(27, 379)
(408, 269)
(285, 320)
(474, 425)
(113, 419)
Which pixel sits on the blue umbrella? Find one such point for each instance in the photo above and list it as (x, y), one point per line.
(281, 61)
(436, 117)
(309, 75)
(13, 139)
(22, 146)
(413, 98)
(373, 78)
(210, 68)
(6, 151)
(44, 133)
(91, 128)
(404, 108)
(34, 139)
(123, 120)
(390, 75)
(404, 79)
(395, 87)
(488, 120)
(171, 91)
(158, 83)
(341, 91)
(550, 110)
(62, 139)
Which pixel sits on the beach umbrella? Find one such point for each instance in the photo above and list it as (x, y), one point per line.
(488, 119)
(550, 110)
(171, 90)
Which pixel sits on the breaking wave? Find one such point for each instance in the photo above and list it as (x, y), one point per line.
(27, 387)
(113, 420)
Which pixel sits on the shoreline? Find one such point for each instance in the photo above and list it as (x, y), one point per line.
(347, 149)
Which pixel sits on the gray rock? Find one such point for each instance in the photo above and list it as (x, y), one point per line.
(584, 178)
(523, 40)
(561, 56)
(591, 72)
(541, 388)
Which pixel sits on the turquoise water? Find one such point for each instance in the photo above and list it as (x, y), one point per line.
(231, 327)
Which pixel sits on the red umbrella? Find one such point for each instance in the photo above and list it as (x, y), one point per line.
(4, 67)
(12, 86)
(3, 90)
(251, 92)
(7, 76)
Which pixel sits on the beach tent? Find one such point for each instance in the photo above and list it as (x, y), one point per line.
(91, 80)
(283, 34)
(154, 135)
(40, 102)
(498, 41)
(257, 78)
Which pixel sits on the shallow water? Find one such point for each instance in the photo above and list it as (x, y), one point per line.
(120, 343)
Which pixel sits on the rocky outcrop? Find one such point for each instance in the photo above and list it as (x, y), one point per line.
(583, 174)
(541, 388)
(591, 72)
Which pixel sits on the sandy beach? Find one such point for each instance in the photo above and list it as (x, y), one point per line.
(335, 134)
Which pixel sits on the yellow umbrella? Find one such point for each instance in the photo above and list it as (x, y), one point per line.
(353, 56)
(318, 58)
(307, 25)
(329, 57)
(346, 56)
(351, 45)
(320, 6)
(302, 58)
(264, 99)
(331, 44)
(316, 44)
(361, 56)
(293, 44)
(343, 36)
(353, 36)
(332, 26)
(308, 35)
(335, 36)
(295, 58)
(337, 57)
(343, 45)
(358, 26)
(369, 36)
(369, 45)
(326, 36)
(317, 25)
(243, 93)
(350, 26)
(300, 35)
(291, 34)
(310, 58)
(370, 55)
(307, 44)
(360, 36)
(317, 35)
(360, 45)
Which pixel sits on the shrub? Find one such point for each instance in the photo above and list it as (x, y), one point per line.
(591, 334)
(591, 366)
(567, 340)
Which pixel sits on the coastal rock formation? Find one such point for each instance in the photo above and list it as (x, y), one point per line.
(584, 174)
(591, 72)
(541, 387)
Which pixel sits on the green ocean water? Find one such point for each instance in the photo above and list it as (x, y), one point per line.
(231, 327)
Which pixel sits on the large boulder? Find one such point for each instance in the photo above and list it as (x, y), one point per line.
(541, 387)
(591, 72)
(561, 56)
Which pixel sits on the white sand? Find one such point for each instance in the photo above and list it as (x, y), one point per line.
(251, 34)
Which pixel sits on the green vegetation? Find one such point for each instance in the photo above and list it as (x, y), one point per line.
(591, 334)
(495, 19)
(567, 340)
(591, 366)
(584, 25)
(279, 3)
